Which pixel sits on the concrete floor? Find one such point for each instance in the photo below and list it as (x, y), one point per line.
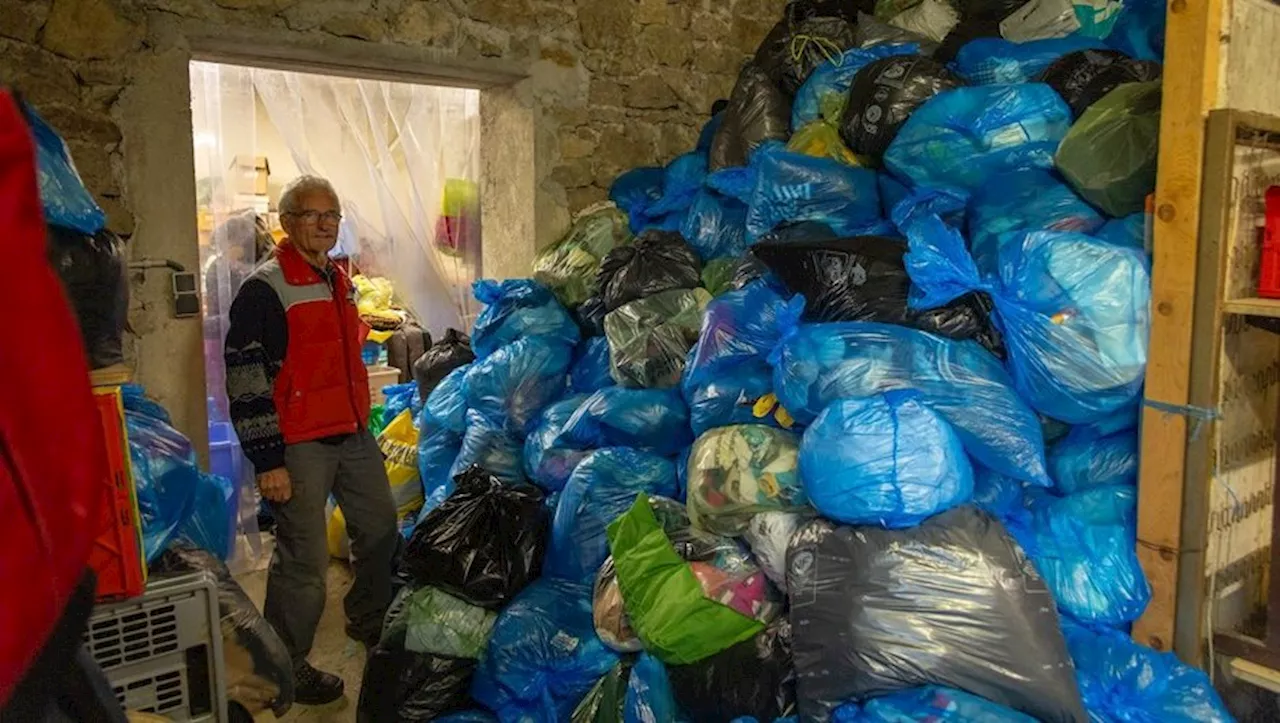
(333, 651)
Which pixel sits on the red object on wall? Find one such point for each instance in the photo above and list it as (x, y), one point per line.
(1269, 265)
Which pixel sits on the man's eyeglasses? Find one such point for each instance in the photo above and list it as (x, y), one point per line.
(313, 217)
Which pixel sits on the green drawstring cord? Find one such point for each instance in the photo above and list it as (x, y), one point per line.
(833, 53)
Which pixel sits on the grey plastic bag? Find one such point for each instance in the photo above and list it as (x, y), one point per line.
(650, 338)
(952, 602)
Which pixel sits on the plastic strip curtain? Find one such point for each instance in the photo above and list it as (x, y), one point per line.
(404, 159)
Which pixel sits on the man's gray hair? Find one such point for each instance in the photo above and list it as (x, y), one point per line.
(301, 186)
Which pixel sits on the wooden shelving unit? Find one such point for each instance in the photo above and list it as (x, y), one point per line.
(1253, 307)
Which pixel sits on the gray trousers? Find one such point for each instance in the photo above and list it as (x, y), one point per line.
(353, 471)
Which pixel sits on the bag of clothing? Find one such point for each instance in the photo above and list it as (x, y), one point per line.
(649, 695)
(656, 261)
(1139, 30)
(848, 279)
(933, 19)
(446, 406)
(1074, 312)
(650, 339)
(739, 471)
(740, 326)
(792, 187)
(1001, 496)
(769, 535)
(824, 94)
(758, 112)
(406, 346)
(399, 446)
(752, 678)
(438, 448)
(514, 384)
(885, 460)
(821, 139)
(446, 355)
(962, 138)
(491, 447)
(715, 226)
(543, 656)
(609, 613)
(818, 364)
(590, 370)
(653, 419)
(742, 394)
(635, 190)
(874, 611)
(1082, 78)
(438, 623)
(397, 399)
(1109, 156)
(795, 47)
(569, 266)
(872, 33)
(996, 61)
(67, 203)
(605, 702)
(1030, 200)
(1040, 20)
(884, 93)
(681, 182)
(400, 686)
(602, 487)
(93, 271)
(547, 463)
(590, 316)
(1088, 458)
(717, 274)
(483, 544)
(930, 703)
(517, 309)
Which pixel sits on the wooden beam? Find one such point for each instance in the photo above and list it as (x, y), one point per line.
(1192, 44)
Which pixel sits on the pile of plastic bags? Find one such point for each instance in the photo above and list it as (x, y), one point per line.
(869, 355)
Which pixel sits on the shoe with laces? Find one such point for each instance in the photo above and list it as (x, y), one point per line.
(315, 687)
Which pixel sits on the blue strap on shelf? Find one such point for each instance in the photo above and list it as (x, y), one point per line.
(1198, 415)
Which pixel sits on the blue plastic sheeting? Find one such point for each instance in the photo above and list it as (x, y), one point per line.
(1129, 232)
(996, 61)
(438, 448)
(730, 397)
(1073, 312)
(887, 460)
(65, 200)
(175, 499)
(517, 309)
(649, 696)
(1085, 458)
(818, 364)
(490, 446)
(543, 655)
(546, 463)
(1033, 200)
(933, 704)
(739, 326)
(1139, 30)
(793, 187)
(716, 226)
(1084, 547)
(590, 370)
(999, 495)
(962, 138)
(602, 487)
(653, 419)
(447, 404)
(828, 85)
(514, 384)
(1123, 681)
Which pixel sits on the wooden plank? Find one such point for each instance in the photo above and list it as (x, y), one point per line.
(1190, 90)
(1253, 307)
(112, 376)
(1255, 674)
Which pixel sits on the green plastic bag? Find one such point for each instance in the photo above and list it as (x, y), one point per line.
(717, 274)
(375, 421)
(436, 623)
(1109, 155)
(650, 338)
(664, 599)
(738, 471)
(568, 267)
(604, 702)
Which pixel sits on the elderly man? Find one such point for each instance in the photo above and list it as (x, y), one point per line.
(300, 405)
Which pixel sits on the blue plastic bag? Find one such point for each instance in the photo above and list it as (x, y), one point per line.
(518, 309)
(731, 397)
(590, 370)
(468, 716)
(543, 655)
(716, 226)
(397, 398)
(739, 326)
(681, 181)
(1097, 17)
(514, 384)
(446, 405)
(997, 494)
(1139, 30)
(603, 486)
(1128, 232)
(490, 446)
(1086, 458)
(652, 419)
(793, 187)
(962, 138)
(886, 459)
(817, 364)
(1073, 312)
(708, 132)
(438, 448)
(996, 61)
(650, 698)
(66, 201)
(828, 85)
(1031, 200)
(1084, 546)
(932, 704)
(1121, 680)
(548, 464)
(636, 189)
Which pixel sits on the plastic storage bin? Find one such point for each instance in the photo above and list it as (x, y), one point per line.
(116, 555)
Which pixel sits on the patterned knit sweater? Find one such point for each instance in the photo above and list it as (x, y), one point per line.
(254, 352)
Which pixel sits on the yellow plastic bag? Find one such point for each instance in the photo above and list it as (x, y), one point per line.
(820, 139)
(399, 445)
(374, 301)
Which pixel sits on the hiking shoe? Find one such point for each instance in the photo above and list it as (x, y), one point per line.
(315, 687)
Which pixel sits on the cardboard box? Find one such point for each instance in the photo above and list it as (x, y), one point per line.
(250, 174)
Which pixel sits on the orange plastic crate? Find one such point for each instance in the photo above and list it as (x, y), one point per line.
(117, 555)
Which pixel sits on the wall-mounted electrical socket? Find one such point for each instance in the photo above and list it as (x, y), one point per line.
(186, 295)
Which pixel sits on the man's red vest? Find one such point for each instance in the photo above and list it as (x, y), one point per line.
(322, 389)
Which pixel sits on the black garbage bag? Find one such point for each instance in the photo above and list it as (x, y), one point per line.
(758, 111)
(607, 698)
(590, 316)
(451, 352)
(872, 32)
(953, 602)
(484, 543)
(259, 672)
(405, 347)
(795, 47)
(884, 94)
(656, 261)
(401, 686)
(968, 317)
(93, 271)
(847, 9)
(970, 29)
(1083, 77)
(754, 678)
(991, 10)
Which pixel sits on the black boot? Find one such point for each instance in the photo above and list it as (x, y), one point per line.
(315, 687)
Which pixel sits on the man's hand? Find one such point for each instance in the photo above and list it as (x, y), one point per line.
(276, 485)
